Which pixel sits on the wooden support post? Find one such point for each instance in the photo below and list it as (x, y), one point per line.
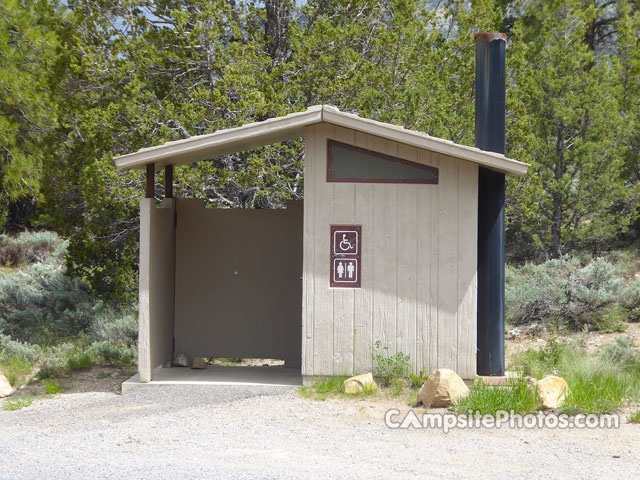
(151, 180)
(168, 181)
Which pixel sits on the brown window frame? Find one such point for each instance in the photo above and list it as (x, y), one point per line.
(331, 178)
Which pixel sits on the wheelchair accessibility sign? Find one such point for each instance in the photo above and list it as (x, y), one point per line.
(345, 256)
(345, 242)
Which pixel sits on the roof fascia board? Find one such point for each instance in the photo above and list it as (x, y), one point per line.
(223, 142)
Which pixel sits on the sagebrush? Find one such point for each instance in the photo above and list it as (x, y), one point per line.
(30, 247)
(563, 293)
(54, 323)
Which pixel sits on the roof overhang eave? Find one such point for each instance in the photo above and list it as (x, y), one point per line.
(255, 135)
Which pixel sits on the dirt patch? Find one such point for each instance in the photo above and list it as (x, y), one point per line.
(98, 379)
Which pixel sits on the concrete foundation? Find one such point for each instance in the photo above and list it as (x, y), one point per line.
(219, 375)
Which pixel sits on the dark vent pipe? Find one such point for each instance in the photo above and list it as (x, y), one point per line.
(490, 136)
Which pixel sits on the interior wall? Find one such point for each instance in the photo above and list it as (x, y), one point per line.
(238, 282)
(418, 264)
(156, 283)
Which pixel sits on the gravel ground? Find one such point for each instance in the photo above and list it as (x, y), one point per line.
(234, 432)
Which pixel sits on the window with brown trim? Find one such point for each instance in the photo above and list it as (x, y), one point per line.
(346, 163)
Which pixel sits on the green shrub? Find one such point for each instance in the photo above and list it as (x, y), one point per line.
(397, 386)
(30, 247)
(418, 380)
(114, 354)
(80, 359)
(330, 385)
(488, 400)
(635, 418)
(630, 300)
(115, 327)
(596, 392)
(50, 319)
(11, 349)
(622, 352)
(54, 360)
(388, 368)
(563, 293)
(17, 359)
(40, 305)
(542, 361)
(305, 392)
(52, 387)
(68, 357)
(16, 370)
(598, 382)
(16, 403)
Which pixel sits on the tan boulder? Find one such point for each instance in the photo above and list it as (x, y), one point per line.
(5, 387)
(360, 383)
(442, 389)
(199, 363)
(552, 392)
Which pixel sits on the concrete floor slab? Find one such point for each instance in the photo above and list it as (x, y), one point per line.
(219, 375)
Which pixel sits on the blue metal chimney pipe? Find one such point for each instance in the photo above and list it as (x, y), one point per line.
(490, 136)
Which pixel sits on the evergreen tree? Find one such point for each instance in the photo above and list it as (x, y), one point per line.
(566, 122)
(27, 59)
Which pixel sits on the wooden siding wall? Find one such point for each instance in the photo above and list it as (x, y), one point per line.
(418, 263)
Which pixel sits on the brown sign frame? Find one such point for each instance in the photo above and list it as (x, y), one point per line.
(350, 256)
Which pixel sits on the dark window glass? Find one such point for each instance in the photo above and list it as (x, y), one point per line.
(347, 163)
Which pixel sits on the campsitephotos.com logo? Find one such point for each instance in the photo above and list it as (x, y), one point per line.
(395, 419)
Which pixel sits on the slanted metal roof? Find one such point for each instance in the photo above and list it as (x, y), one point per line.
(254, 135)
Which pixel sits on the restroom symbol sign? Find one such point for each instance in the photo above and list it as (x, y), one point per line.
(346, 248)
(345, 270)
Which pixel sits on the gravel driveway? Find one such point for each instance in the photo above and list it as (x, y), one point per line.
(269, 432)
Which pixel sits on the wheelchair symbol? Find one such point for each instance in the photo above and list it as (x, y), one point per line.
(345, 242)
(345, 245)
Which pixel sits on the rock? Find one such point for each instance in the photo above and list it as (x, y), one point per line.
(360, 383)
(552, 392)
(181, 360)
(5, 387)
(199, 363)
(443, 388)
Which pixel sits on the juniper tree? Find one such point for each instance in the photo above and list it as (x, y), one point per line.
(565, 119)
(27, 111)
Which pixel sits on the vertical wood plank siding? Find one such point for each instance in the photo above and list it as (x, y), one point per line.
(418, 292)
